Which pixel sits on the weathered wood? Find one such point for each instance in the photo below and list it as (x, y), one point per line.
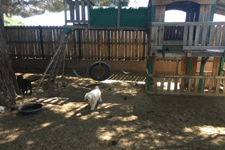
(190, 39)
(50, 63)
(211, 37)
(203, 47)
(162, 84)
(176, 80)
(71, 13)
(169, 84)
(155, 84)
(204, 35)
(210, 85)
(218, 35)
(185, 37)
(183, 83)
(77, 11)
(197, 34)
(189, 86)
(188, 94)
(89, 14)
(164, 2)
(223, 37)
(218, 85)
(223, 86)
(83, 10)
(196, 85)
(216, 68)
(205, 23)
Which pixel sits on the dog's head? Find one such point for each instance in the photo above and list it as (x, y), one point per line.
(88, 97)
(19, 78)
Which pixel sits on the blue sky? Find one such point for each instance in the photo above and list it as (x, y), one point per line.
(57, 19)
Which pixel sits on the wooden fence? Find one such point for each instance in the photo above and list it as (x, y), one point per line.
(39, 42)
(189, 85)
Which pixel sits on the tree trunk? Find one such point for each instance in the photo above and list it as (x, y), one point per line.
(7, 76)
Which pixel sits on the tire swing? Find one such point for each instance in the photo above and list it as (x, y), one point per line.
(99, 71)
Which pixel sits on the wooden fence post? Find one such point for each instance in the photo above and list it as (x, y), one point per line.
(41, 42)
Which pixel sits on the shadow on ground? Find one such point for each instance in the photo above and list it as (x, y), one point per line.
(128, 118)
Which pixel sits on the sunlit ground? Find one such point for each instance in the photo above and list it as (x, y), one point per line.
(140, 121)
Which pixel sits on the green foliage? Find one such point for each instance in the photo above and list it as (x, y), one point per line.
(10, 21)
(108, 2)
(27, 8)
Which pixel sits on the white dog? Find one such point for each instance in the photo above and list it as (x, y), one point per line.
(2, 109)
(93, 97)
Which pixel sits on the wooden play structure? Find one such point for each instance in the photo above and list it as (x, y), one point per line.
(193, 42)
(197, 39)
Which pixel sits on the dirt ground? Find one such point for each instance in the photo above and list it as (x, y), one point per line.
(128, 118)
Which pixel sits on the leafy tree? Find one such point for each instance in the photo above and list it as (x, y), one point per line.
(10, 21)
(108, 2)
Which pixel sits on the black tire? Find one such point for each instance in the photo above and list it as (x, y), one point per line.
(93, 74)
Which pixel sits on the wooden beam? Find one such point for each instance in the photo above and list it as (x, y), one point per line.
(203, 48)
(165, 2)
(185, 76)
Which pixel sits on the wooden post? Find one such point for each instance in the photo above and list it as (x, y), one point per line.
(216, 68)
(150, 60)
(150, 64)
(118, 16)
(65, 3)
(79, 40)
(213, 9)
(89, 14)
(203, 61)
(221, 66)
(64, 62)
(189, 66)
(41, 42)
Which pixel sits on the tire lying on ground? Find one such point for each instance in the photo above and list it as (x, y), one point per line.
(95, 74)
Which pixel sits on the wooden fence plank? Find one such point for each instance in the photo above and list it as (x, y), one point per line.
(204, 35)
(223, 86)
(162, 84)
(211, 37)
(190, 39)
(176, 80)
(218, 86)
(196, 85)
(211, 85)
(185, 36)
(169, 84)
(218, 35)
(155, 84)
(223, 37)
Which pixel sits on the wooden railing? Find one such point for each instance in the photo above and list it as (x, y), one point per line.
(194, 35)
(190, 85)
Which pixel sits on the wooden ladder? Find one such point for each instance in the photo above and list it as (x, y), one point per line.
(55, 63)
